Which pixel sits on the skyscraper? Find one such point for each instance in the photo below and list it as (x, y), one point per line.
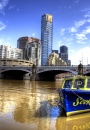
(23, 41)
(46, 37)
(64, 53)
(33, 52)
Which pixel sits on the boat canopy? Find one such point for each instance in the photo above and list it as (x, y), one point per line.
(77, 82)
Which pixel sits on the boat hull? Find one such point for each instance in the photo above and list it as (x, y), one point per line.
(74, 101)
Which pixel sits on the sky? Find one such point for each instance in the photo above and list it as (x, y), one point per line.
(71, 24)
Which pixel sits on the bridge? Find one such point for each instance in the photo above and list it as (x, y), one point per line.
(42, 72)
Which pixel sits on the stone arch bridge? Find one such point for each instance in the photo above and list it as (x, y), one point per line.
(41, 72)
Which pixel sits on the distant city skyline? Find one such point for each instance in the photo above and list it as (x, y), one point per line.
(71, 24)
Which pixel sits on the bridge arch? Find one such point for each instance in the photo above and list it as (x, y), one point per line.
(24, 70)
(66, 70)
(49, 74)
(15, 73)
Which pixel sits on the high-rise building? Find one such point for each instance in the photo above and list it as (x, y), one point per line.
(46, 37)
(33, 52)
(64, 53)
(56, 51)
(9, 52)
(22, 41)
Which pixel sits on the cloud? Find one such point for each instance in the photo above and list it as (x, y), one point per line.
(11, 7)
(87, 31)
(81, 36)
(3, 4)
(79, 23)
(72, 29)
(33, 34)
(80, 55)
(76, 1)
(81, 41)
(2, 26)
(87, 15)
(87, 10)
(61, 31)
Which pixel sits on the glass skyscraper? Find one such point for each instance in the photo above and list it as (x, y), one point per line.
(64, 53)
(46, 37)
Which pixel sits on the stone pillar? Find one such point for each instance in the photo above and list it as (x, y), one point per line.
(33, 69)
(80, 69)
(33, 76)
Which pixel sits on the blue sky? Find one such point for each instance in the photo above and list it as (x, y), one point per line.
(71, 24)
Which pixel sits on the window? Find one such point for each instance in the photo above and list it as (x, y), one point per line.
(68, 83)
(88, 83)
(79, 83)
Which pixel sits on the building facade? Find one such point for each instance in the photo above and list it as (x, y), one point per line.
(56, 51)
(46, 37)
(64, 53)
(55, 60)
(9, 52)
(33, 52)
(22, 41)
(15, 62)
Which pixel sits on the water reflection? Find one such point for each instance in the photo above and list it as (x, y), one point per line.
(28, 102)
(76, 122)
(33, 105)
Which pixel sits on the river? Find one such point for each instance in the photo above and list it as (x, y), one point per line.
(33, 105)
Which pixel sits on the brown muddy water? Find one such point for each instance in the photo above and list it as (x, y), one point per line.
(33, 105)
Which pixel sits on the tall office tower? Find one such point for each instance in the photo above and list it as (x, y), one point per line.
(64, 53)
(22, 41)
(33, 52)
(46, 37)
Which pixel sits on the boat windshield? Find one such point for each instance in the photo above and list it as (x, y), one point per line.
(88, 83)
(68, 83)
(79, 83)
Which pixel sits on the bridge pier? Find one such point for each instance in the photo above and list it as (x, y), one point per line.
(33, 75)
(1, 76)
(26, 76)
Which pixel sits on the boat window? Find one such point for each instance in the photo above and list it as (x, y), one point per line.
(68, 84)
(88, 83)
(79, 83)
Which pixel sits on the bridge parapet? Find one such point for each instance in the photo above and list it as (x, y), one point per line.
(73, 68)
(43, 68)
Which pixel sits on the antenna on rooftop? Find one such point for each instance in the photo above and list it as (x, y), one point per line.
(80, 61)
